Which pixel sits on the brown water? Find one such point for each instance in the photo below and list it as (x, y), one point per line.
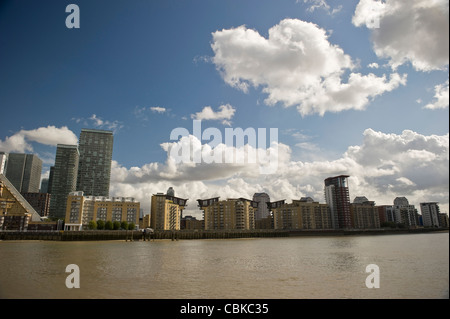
(411, 266)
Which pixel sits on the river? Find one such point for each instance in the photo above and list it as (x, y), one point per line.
(410, 266)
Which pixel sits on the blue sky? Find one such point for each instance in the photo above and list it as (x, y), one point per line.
(143, 68)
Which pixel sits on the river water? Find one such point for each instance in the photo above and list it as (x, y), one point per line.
(410, 266)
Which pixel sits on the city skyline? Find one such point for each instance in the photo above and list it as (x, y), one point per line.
(368, 101)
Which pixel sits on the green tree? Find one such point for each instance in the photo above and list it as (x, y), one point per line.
(124, 225)
(100, 224)
(92, 224)
(109, 225)
(131, 226)
(116, 225)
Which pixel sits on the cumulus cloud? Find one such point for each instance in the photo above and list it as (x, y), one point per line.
(441, 97)
(415, 31)
(225, 114)
(381, 168)
(296, 66)
(50, 135)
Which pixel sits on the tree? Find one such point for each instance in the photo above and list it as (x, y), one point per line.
(109, 225)
(92, 224)
(100, 224)
(124, 225)
(131, 226)
(116, 225)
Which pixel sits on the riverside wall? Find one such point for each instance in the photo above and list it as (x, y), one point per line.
(136, 235)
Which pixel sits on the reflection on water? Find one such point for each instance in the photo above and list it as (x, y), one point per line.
(411, 266)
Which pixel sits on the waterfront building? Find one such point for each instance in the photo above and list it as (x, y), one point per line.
(15, 211)
(82, 209)
(405, 213)
(64, 179)
(430, 214)
(39, 201)
(190, 223)
(94, 171)
(166, 211)
(386, 213)
(24, 172)
(301, 214)
(338, 199)
(443, 220)
(364, 214)
(262, 211)
(233, 213)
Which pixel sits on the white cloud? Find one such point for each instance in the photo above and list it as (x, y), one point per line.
(415, 31)
(321, 4)
(441, 97)
(296, 66)
(225, 114)
(50, 135)
(373, 65)
(158, 109)
(383, 167)
(99, 123)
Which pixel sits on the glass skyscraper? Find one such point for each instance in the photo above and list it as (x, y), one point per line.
(64, 179)
(94, 169)
(24, 172)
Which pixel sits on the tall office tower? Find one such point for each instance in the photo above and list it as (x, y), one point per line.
(3, 162)
(24, 172)
(94, 171)
(338, 199)
(430, 214)
(64, 179)
(262, 211)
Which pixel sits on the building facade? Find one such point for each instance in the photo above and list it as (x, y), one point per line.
(39, 201)
(364, 214)
(338, 199)
(82, 209)
(262, 210)
(94, 170)
(301, 214)
(64, 179)
(405, 213)
(430, 214)
(166, 212)
(233, 213)
(24, 172)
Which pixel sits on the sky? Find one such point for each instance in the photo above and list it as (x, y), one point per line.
(355, 87)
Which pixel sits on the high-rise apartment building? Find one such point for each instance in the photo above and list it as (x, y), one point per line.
(338, 199)
(430, 214)
(405, 213)
(64, 179)
(166, 212)
(82, 209)
(233, 213)
(24, 172)
(94, 170)
(262, 211)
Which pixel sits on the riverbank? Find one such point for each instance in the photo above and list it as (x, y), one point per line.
(136, 235)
